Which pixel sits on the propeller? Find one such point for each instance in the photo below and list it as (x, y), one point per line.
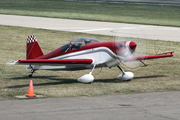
(132, 46)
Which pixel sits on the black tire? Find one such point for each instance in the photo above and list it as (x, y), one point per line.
(30, 76)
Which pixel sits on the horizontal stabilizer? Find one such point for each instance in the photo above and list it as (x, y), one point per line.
(13, 62)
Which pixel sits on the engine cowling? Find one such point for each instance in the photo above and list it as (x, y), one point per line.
(87, 78)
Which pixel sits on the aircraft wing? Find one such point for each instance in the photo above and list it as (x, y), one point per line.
(138, 58)
(52, 61)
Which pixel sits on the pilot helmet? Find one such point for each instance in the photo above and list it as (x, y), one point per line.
(87, 41)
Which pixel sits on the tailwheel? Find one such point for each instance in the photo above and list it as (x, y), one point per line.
(30, 75)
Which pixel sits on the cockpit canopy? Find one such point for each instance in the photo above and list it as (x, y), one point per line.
(78, 43)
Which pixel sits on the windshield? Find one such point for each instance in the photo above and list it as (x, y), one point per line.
(65, 47)
(78, 43)
(81, 42)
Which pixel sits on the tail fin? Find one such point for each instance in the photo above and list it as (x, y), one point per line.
(33, 49)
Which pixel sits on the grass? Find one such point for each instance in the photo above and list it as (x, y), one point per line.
(160, 75)
(110, 12)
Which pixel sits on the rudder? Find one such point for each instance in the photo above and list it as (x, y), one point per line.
(33, 49)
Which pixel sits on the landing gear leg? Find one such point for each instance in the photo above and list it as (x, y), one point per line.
(32, 71)
(121, 69)
(92, 69)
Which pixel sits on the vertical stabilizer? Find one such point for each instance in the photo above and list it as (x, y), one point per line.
(33, 49)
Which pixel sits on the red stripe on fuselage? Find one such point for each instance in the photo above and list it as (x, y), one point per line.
(57, 52)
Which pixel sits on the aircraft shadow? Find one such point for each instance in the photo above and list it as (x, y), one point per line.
(153, 76)
(71, 81)
(34, 77)
(122, 81)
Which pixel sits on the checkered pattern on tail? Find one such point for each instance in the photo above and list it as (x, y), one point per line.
(31, 39)
(33, 49)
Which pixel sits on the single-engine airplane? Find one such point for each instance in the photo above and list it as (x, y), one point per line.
(83, 53)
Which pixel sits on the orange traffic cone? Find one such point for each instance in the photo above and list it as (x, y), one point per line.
(31, 90)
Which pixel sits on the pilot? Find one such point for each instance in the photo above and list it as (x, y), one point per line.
(79, 45)
(87, 41)
(73, 47)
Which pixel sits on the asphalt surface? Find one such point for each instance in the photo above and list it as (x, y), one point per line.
(157, 106)
(153, 2)
(93, 27)
(148, 106)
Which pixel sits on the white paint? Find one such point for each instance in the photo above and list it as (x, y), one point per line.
(87, 78)
(126, 76)
(101, 29)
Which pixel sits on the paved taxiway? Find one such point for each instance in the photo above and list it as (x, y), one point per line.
(148, 106)
(160, 106)
(93, 27)
(152, 2)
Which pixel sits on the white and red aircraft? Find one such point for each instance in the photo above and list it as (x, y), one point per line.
(83, 53)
